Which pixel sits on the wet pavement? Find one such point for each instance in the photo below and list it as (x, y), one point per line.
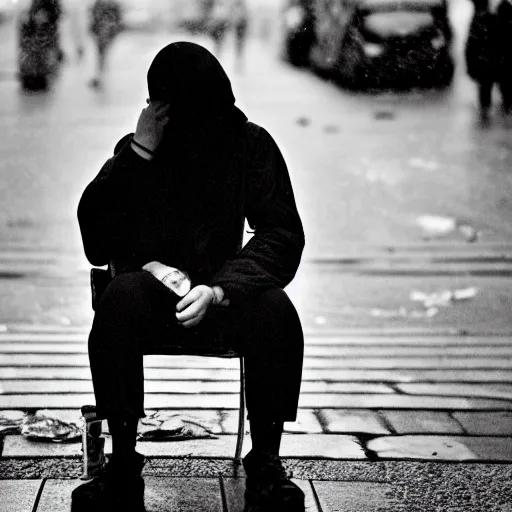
(399, 192)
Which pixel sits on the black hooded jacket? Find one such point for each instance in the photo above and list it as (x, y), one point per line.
(488, 54)
(482, 50)
(187, 206)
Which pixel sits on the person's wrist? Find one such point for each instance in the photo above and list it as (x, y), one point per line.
(144, 145)
(146, 142)
(141, 152)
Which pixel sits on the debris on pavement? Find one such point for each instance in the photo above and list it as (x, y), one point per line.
(443, 298)
(465, 293)
(303, 121)
(430, 301)
(165, 426)
(331, 128)
(10, 422)
(436, 225)
(426, 165)
(40, 427)
(384, 115)
(403, 312)
(470, 233)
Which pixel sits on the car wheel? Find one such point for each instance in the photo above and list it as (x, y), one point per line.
(298, 49)
(293, 55)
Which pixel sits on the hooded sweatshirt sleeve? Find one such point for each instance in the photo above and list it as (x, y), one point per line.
(272, 256)
(108, 205)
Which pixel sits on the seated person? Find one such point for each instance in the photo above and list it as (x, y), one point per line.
(168, 211)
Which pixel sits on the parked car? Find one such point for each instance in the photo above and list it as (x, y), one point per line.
(298, 29)
(384, 43)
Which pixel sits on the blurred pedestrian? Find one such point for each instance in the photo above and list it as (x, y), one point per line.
(39, 43)
(489, 52)
(226, 16)
(504, 44)
(49, 12)
(219, 23)
(172, 201)
(105, 24)
(76, 13)
(240, 20)
(482, 53)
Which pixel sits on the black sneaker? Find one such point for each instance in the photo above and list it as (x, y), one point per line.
(117, 488)
(268, 483)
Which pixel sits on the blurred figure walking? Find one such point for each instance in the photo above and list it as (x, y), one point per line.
(482, 58)
(226, 15)
(39, 43)
(76, 11)
(489, 52)
(219, 23)
(240, 21)
(504, 33)
(49, 12)
(104, 27)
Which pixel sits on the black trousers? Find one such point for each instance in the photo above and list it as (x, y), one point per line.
(136, 316)
(485, 92)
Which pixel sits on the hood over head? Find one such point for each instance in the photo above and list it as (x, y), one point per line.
(193, 82)
(198, 153)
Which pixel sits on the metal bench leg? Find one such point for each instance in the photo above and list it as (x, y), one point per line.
(241, 415)
(85, 456)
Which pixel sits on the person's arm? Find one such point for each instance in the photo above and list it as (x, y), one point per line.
(109, 201)
(110, 204)
(272, 256)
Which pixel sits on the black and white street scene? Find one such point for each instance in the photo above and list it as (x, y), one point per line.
(365, 147)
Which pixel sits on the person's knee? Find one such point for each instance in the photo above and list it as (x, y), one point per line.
(274, 313)
(126, 292)
(275, 300)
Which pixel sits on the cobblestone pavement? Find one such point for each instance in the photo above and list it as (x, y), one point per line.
(436, 397)
(393, 487)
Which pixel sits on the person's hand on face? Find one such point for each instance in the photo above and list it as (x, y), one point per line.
(192, 308)
(151, 124)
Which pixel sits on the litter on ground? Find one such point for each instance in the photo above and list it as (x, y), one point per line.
(162, 426)
(443, 298)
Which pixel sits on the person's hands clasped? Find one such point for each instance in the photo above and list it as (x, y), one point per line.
(151, 124)
(192, 308)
